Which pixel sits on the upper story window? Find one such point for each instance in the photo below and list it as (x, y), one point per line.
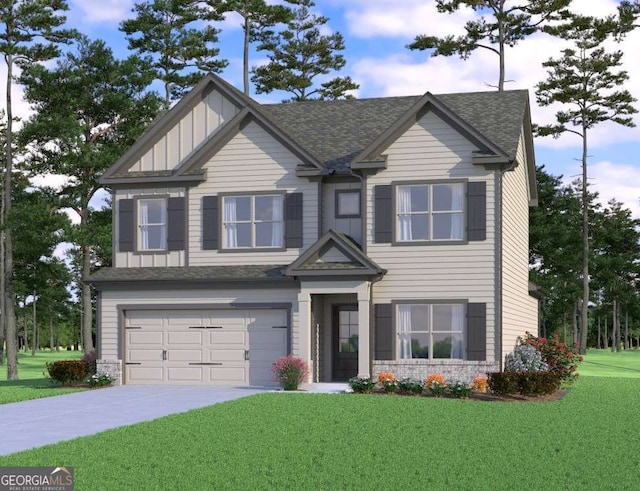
(253, 221)
(152, 224)
(430, 212)
(348, 203)
(431, 330)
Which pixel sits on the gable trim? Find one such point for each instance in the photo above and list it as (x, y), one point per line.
(428, 102)
(161, 125)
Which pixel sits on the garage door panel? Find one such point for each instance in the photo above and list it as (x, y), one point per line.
(186, 355)
(219, 337)
(228, 375)
(142, 338)
(188, 337)
(265, 357)
(185, 374)
(141, 375)
(139, 355)
(272, 338)
(219, 355)
(263, 319)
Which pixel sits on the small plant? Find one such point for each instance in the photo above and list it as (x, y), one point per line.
(290, 371)
(525, 358)
(435, 384)
(460, 390)
(410, 386)
(388, 381)
(561, 359)
(99, 380)
(480, 385)
(90, 360)
(361, 385)
(539, 383)
(503, 383)
(67, 371)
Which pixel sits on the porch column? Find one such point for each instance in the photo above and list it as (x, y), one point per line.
(304, 331)
(364, 356)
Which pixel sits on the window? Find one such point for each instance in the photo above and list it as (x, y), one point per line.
(429, 212)
(152, 224)
(348, 203)
(431, 331)
(253, 221)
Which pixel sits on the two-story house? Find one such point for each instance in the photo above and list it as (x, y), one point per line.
(366, 235)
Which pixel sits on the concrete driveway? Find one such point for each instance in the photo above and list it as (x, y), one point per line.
(30, 424)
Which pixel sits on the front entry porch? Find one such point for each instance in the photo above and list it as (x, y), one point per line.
(334, 332)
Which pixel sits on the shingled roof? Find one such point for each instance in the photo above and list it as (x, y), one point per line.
(337, 131)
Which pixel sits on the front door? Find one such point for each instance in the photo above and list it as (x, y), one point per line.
(345, 342)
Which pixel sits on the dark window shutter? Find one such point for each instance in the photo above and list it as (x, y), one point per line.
(384, 332)
(176, 218)
(383, 210)
(477, 211)
(477, 331)
(210, 223)
(293, 220)
(126, 225)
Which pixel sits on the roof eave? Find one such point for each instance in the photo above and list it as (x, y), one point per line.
(123, 182)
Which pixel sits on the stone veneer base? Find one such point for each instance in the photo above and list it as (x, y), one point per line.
(451, 370)
(113, 368)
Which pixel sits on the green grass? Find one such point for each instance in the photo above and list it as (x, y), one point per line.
(32, 383)
(604, 363)
(309, 441)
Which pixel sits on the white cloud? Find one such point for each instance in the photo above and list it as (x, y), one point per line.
(96, 11)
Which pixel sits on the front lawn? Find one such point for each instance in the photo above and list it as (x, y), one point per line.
(32, 383)
(308, 441)
(604, 363)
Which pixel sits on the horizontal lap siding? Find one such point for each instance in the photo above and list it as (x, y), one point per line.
(252, 161)
(137, 260)
(519, 309)
(432, 150)
(203, 120)
(349, 226)
(158, 299)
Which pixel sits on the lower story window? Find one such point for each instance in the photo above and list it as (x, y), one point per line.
(431, 330)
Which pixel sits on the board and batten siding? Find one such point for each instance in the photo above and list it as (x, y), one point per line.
(519, 309)
(145, 259)
(157, 299)
(251, 161)
(432, 150)
(348, 226)
(190, 132)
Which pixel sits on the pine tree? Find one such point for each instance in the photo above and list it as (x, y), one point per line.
(299, 55)
(499, 26)
(586, 78)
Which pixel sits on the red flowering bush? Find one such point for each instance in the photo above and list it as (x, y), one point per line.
(290, 371)
(561, 359)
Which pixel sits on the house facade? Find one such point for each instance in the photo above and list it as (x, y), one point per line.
(363, 236)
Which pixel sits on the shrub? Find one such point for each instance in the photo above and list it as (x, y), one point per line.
(410, 386)
(480, 384)
(560, 358)
(434, 377)
(388, 381)
(435, 384)
(90, 360)
(290, 371)
(503, 383)
(460, 390)
(525, 358)
(361, 385)
(99, 380)
(538, 383)
(67, 371)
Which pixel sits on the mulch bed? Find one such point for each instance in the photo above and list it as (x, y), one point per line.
(489, 397)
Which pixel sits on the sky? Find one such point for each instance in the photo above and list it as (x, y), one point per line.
(376, 33)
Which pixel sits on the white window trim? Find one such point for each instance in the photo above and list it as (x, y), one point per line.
(142, 226)
(430, 212)
(430, 331)
(253, 222)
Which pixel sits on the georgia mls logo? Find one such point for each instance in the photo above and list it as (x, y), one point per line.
(36, 479)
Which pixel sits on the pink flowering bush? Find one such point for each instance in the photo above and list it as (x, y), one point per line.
(290, 371)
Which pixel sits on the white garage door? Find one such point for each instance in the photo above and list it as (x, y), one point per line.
(217, 347)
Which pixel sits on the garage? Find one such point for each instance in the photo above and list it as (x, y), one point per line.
(234, 347)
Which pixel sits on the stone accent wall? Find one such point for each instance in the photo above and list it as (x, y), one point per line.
(113, 368)
(451, 370)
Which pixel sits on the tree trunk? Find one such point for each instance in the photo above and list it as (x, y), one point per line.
(87, 318)
(614, 326)
(9, 305)
(606, 333)
(599, 342)
(585, 247)
(564, 328)
(626, 330)
(501, 50)
(51, 341)
(57, 337)
(35, 327)
(245, 54)
(574, 338)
